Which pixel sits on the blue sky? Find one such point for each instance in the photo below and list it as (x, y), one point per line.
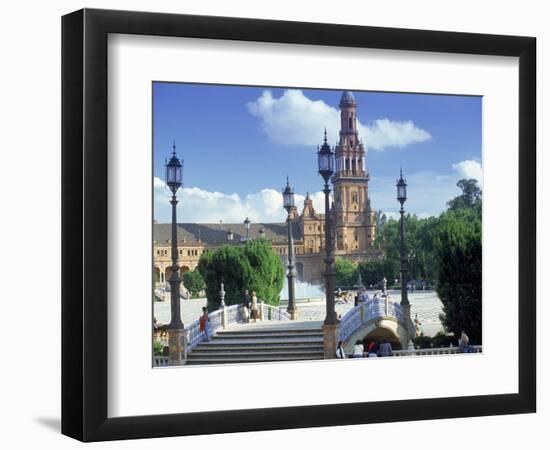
(240, 143)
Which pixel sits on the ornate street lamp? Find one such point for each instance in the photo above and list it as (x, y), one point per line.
(247, 226)
(175, 328)
(325, 160)
(402, 198)
(288, 203)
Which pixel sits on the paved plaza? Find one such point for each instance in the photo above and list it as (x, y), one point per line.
(424, 303)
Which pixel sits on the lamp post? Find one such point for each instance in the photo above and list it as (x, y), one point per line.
(405, 305)
(288, 203)
(222, 295)
(175, 328)
(412, 255)
(247, 226)
(325, 160)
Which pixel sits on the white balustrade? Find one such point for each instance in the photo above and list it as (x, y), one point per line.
(160, 361)
(375, 308)
(274, 313)
(437, 351)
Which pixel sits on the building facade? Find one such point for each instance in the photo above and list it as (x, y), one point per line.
(351, 214)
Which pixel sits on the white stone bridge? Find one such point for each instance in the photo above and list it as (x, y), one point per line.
(276, 338)
(377, 319)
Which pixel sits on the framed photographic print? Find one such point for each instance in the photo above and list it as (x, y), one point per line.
(255, 212)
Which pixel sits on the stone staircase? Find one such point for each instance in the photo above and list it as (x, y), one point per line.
(261, 342)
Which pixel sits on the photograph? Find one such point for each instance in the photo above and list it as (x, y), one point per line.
(296, 224)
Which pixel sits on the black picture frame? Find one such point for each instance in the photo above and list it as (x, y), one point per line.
(84, 224)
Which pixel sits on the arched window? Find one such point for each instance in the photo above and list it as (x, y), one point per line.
(350, 120)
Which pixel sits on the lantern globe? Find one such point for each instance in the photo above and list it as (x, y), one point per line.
(325, 160)
(288, 197)
(401, 189)
(174, 172)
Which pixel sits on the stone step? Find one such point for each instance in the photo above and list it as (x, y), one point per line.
(278, 332)
(239, 360)
(267, 335)
(256, 348)
(197, 353)
(264, 340)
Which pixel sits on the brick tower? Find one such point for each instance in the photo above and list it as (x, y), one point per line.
(354, 220)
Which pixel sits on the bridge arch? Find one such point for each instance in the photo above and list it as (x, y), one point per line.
(378, 330)
(378, 319)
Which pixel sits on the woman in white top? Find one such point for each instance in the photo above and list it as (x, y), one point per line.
(358, 350)
(254, 314)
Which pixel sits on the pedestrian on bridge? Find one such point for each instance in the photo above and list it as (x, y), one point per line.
(204, 324)
(246, 306)
(254, 312)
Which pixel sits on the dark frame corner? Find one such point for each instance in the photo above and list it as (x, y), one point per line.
(84, 224)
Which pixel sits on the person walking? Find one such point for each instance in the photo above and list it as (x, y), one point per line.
(385, 349)
(254, 311)
(204, 324)
(246, 306)
(340, 353)
(463, 342)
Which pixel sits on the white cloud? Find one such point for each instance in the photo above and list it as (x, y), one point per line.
(428, 194)
(469, 168)
(384, 133)
(198, 205)
(294, 119)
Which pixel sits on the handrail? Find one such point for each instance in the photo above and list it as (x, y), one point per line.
(226, 316)
(437, 351)
(274, 312)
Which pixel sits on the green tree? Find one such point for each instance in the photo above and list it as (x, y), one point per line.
(459, 257)
(253, 266)
(470, 197)
(420, 238)
(372, 272)
(345, 273)
(194, 282)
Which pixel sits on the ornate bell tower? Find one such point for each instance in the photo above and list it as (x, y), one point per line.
(354, 223)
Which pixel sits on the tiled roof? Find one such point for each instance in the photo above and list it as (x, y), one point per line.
(215, 233)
